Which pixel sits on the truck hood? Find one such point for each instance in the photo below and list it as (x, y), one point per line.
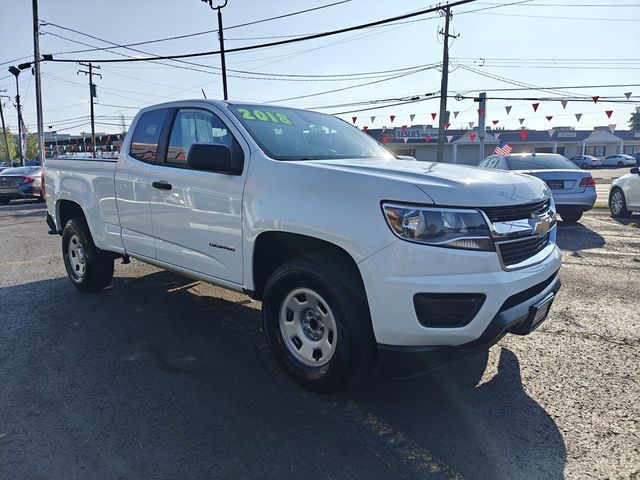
(448, 184)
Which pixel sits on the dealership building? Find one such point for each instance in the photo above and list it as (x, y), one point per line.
(463, 146)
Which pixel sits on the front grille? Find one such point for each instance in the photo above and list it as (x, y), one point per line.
(516, 212)
(519, 250)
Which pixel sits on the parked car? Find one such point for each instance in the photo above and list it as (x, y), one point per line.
(21, 182)
(357, 256)
(586, 161)
(574, 190)
(618, 160)
(624, 194)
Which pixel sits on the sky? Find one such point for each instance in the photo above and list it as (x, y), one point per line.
(502, 45)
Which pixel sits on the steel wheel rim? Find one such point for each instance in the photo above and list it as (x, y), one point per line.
(616, 202)
(308, 327)
(77, 257)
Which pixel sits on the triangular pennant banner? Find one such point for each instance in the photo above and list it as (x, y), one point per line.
(628, 95)
(523, 134)
(564, 103)
(471, 124)
(354, 119)
(595, 99)
(508, 109)
(497, 135)
(446, 126)
(495, 122)
(578, 116)
(427, 138)
(480, 111)
(535, 106)
(609, 113)
(405, 139)
(412, 116)
(612, 127)
(472, 137)
(404, 128)
(551, 131)
(521, 120)
(433, 116)
(449, 137)
(373, 119)
(385, 139)
(392, 118)
(455, 114)
(365, 128)
(549, 117)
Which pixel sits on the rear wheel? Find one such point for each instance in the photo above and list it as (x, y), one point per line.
(317, 323)
(88, 268)
(571, 217)
(618, 204)
(620, 164)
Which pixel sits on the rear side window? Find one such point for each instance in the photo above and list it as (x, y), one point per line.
(144, 144)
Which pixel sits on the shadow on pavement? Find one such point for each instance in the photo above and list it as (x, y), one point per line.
(151, 379)
(578, 237)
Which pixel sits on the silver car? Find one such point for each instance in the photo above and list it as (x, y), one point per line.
(574, 190)
(20, 182)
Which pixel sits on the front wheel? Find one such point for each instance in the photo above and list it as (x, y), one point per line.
(571, 217)
(88, 268)
(618, 204)
(317, 323)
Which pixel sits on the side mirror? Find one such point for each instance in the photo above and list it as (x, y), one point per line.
(635, 170)
(215, 158)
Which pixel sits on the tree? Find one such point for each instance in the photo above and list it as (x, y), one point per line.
(32, 147)
(634, 121)
(3, 147)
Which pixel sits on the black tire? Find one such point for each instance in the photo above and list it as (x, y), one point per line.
(584, 166)
(342, 291)
(571, 217)
(98, 265)
(620, 164)
(4, 201)
(623, 212)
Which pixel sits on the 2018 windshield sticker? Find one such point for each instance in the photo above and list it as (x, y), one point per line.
(265, 116)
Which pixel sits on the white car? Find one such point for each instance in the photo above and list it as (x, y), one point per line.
(586, 161)
(624, 194)
(618, 160)
(356, 255)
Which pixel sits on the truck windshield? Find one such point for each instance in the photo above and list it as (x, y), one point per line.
(291, 134)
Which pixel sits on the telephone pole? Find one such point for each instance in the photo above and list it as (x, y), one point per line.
(36, 64)
(4, 129)
(92, 95)
(444, 85)
(221, 39)
(482, 123)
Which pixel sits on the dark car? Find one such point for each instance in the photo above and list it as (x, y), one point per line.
(21, 182)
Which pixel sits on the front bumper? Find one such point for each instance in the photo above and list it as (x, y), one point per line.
(513, 317)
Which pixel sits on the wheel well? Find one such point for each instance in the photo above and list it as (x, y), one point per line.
(68, 210)
(274, 248)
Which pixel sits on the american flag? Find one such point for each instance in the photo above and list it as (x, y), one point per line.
(503, 148)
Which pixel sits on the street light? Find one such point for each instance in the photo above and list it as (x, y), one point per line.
(221, 38)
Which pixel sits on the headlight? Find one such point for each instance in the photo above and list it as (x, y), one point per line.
(442, 227)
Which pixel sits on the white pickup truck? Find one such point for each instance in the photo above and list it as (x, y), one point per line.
(358, 256)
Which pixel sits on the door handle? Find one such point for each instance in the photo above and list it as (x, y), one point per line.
(162, 185)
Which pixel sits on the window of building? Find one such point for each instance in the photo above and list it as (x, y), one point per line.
(195, 126)
(144, 144)
(631, 149)
(595, 150)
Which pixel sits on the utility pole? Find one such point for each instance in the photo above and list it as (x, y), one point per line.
(4, 129)
(482, 115)
(92, 95)
(16, 72)
(444, 85)
(36, 63)
(221, 39)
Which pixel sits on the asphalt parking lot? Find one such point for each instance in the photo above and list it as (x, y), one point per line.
(164, 377)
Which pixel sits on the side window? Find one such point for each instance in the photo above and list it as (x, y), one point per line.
(484, 162)
(144, 144)
(193, 125)
(493, 163)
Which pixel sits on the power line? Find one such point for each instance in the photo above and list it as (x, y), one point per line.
(271, 44)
